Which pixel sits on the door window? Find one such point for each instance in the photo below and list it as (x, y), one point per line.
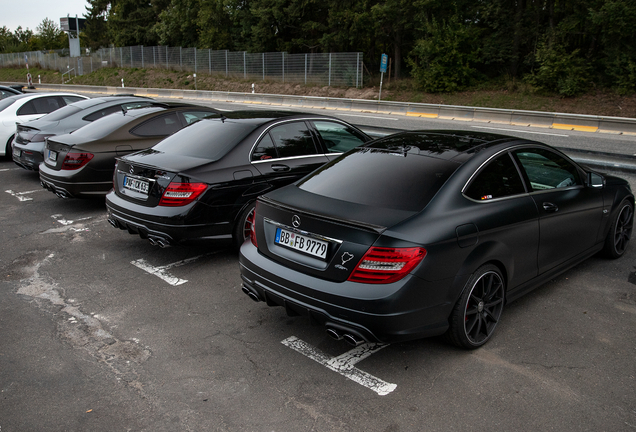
(547, 170)
(42, 105)
(498, 179)
(338, 138)
(265, 149)
(293, 139)
(159, 126)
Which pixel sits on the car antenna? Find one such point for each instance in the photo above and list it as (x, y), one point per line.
(124, 110)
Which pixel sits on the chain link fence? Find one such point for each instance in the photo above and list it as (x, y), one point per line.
(324, 69)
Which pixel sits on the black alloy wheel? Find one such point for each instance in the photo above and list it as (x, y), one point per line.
(620, 231)
(478, 310)
(9, 149)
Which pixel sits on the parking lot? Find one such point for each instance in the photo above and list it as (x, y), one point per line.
(101, 331)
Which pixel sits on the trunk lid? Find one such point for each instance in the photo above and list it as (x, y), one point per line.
(143, 177)
(322, 237)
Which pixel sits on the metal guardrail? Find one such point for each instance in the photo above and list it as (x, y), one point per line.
(562, 121)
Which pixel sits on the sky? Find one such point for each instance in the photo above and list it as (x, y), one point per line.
(30, 13)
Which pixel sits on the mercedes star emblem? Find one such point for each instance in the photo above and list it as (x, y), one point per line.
(296, 221)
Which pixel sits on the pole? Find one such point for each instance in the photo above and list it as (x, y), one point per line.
(380, 96)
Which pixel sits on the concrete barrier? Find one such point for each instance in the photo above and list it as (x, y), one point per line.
(531, 118)
(586, 123)
(492, 115)
(456, 112)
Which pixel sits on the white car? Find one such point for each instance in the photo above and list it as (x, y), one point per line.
(25, 107)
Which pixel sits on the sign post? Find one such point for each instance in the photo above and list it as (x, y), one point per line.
(383, 61)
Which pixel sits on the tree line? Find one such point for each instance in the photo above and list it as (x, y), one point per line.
(562, 46)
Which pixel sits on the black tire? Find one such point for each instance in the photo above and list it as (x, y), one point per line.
(477, 312)
(8, 149)
(620, 231)
(243, 226)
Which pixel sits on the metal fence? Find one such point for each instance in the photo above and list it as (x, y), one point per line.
(330, 69)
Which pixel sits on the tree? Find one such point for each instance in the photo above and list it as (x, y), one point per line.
(50, 36)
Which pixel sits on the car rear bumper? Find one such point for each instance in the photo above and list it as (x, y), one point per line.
(28, 158)
(62, 184)
(167, 224)
(387, 318)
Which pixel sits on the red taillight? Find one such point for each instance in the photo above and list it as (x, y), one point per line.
(180, 194)
(74, 161)
(386, 265)
(252, 219)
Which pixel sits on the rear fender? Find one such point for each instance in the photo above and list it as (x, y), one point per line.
(489, 252)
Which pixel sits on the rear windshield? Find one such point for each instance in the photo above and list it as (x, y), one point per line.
(374, 177)
(62, 113)
(4, 103)
(206, 138)
(103, 127)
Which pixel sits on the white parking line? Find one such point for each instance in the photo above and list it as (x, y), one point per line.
(520, 131)
(19, 195)
(344, 364)
(161, 271)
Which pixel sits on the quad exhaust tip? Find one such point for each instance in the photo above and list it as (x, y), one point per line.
(349, 338)
(158, 241)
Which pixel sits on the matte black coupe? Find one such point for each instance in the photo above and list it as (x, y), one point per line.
(202, 182)
(429, 232)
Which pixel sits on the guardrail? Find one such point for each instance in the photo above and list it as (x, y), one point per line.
(577, 122)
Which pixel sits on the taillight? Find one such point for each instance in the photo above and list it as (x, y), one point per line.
(252, 219)
(180, 194)
(74, 160)
(386, 265)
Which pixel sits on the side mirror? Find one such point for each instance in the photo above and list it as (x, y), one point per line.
(595, 180)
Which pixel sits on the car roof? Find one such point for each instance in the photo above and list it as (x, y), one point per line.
(259, 117)
(442, 144)
(88, 103)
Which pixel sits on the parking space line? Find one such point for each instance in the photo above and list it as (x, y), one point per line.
(19, 195)
(161, 271)
(344, 364)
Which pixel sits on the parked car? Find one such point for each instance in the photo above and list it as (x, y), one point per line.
(429, 232)
(6, 92)
(81, 163)
(29, 106)
(201, 183)
(28, 144)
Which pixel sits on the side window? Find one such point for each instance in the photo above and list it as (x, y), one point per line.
(337, 137)
(498, 179)
(265, 149)
(192, 116)
(47, 105)
(293, 139)
(27, 109)
(102, 113)
(67, 100)
(159, 126)
(547, 170)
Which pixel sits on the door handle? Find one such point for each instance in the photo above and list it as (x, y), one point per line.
(279, 167)
(549, 207)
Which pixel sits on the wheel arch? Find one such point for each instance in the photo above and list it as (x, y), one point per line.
(495, 253)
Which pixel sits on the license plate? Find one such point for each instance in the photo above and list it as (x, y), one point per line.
(308, 245)
(17, 152)
(136, 185)
(52, 155)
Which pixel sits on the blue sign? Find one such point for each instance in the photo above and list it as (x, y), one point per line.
(384, 60)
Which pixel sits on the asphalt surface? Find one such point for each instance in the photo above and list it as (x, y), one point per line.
(100, 331)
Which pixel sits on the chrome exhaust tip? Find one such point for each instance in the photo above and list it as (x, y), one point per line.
(152, 241)
(352, 340)
(162, 243)
(251, 294)
(334, 334)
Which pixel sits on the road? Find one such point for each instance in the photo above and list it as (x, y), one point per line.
(100, 331)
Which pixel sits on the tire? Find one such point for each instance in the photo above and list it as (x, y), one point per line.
(620, 231)
(477, 312)
(8, 149)
(243, 226)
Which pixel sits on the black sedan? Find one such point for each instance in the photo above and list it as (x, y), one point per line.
(429, 232)
(80, 164)
(201, 183)
(28, 144)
